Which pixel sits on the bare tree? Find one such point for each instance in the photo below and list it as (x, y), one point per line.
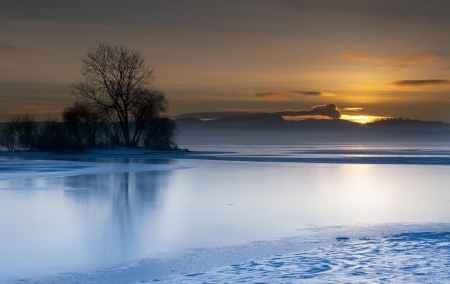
(8, 137)
(25, 129)
(86, 123)
(148, 107)
(160, 133)
(117, 80)
(55, 137)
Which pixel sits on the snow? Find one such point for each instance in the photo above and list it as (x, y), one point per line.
(422, 257)
(377, 254)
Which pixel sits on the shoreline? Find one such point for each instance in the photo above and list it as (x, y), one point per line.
(442, 158)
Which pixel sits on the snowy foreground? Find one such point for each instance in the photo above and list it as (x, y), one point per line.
(145, 219)
(416, 257)
(421, 254)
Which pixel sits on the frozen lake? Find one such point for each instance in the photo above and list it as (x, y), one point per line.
(194, 221)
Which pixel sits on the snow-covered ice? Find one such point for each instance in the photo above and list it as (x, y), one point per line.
(413, 257)
(421, 254)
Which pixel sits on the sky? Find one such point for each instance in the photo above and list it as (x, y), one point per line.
(364, 58)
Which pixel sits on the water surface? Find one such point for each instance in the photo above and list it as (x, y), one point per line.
(100, 221)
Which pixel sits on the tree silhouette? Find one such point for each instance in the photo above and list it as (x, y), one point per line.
(118, 82)
(86, 123)
(24, 129)
(160, 133)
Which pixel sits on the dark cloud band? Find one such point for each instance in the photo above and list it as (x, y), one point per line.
(283, 94)
(420, 83)
(329, 110)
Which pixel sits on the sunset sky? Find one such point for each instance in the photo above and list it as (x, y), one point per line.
(369, 58)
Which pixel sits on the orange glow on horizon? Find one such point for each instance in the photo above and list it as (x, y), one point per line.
(362, 118)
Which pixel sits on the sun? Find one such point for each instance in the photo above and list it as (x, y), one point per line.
(363, 119)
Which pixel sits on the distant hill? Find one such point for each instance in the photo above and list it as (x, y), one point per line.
(269, 129)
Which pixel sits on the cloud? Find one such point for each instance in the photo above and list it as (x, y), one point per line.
(362, 57)
(353, 109)
(421, 83)
(289, 94)
(399, 61)
(320, 111)
(329, 110)
(14, 50)
(413, 58)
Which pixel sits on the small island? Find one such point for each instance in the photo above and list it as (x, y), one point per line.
(117, 106)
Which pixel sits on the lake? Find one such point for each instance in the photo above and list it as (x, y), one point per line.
(203, 215)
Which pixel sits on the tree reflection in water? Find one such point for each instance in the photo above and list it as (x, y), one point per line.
(120, 212)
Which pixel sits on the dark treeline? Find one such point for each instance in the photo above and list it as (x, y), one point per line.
(403, 121)
(116, 105)
(80, 130)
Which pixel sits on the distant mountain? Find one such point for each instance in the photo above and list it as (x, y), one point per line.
(269, 128)
(399, 125)
(262, 122)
